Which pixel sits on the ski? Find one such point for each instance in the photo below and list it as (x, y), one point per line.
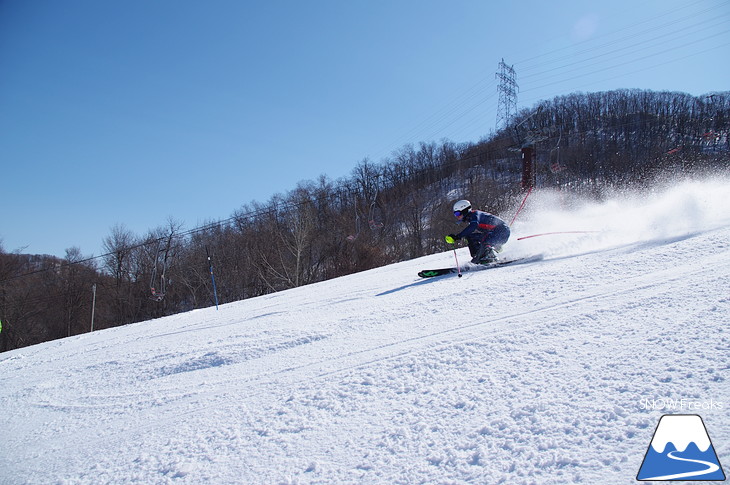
(431, 273)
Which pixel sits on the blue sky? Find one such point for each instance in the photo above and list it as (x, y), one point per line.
(135, 112)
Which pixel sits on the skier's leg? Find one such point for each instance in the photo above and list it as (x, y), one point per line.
(498, 237)
(474, 245)
(484, 252)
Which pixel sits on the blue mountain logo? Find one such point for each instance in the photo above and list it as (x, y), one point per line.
(681, 450)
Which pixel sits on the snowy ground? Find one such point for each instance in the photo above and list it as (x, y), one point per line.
(535, 373)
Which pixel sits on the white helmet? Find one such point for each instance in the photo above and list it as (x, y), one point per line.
(462, 206)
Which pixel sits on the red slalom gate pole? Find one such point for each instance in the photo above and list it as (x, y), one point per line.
(521, 205)
(553, 233)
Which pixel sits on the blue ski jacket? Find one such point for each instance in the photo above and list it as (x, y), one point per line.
(482, 225)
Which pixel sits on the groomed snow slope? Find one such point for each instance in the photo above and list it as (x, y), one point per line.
(535, 373)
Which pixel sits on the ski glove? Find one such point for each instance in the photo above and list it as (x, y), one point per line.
(451, 239)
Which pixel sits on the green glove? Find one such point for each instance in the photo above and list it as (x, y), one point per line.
(450, 239)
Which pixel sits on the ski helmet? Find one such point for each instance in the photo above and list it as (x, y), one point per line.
(462, 207)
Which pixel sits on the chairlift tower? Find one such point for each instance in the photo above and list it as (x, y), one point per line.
(507, 89)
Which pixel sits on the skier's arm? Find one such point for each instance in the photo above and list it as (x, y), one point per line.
(468, 229)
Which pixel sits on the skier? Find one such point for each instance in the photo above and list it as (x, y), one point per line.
(486, 233)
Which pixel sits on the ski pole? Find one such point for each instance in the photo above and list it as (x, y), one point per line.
(458, 268)
(450, 240)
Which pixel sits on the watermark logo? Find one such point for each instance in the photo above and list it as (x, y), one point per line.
(681, 450)
(669, 404)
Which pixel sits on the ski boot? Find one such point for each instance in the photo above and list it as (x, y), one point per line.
(485, 255)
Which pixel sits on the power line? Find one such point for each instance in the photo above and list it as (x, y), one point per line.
(451, 108)
(628, 27)
(645, 44)
(633, 61)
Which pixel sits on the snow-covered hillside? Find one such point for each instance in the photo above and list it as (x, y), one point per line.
(541, 373)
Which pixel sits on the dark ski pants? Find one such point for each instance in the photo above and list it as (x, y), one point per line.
(496, 238)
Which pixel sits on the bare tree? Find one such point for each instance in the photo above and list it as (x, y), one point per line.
(118, 263)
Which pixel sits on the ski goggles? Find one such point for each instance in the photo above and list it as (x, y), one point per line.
(459, 213)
